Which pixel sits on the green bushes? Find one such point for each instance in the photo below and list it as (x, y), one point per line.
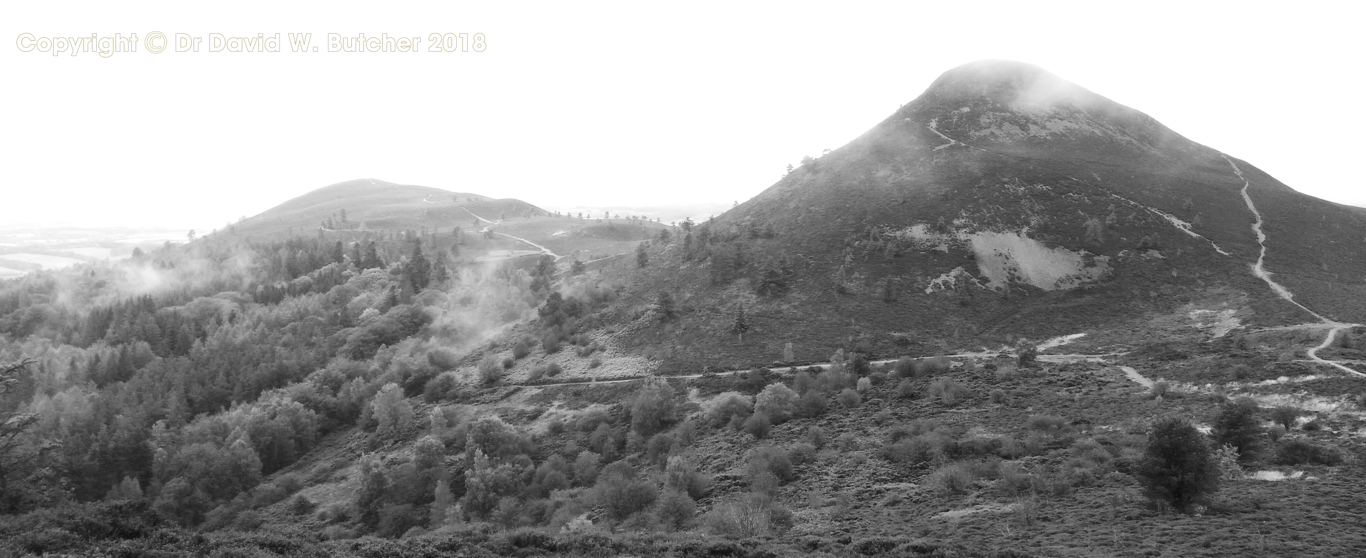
(444, 387)
(621, 493)
(811, 405)
(1177, 468)
(682, 476)
(1299, 451)
(1285, 416)
(849, 398)
(391, 411)
(772, 460)
(724, 407)
(776, 401)
(676, 510)
(947, 391)
(1237, 425)
(906, 390)
(521, 349)
(752, 515)
(758, 425)
(489, 371)
(652, 408)
(907, 367)
(954, 478)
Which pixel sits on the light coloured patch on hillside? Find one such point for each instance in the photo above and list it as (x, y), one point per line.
(1009, 257)
(1059, 341)
(1014, 257)
(1219, 323)
(973, 510)
(1275, 475)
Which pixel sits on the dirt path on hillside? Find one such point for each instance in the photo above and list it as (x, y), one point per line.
(543, 249)
(823, 366)
(1260, 271)
(467, 210)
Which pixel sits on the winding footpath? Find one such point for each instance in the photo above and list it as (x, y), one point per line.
(1260, 271)
(543, 249)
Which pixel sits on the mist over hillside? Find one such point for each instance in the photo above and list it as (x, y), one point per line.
(1013, 318)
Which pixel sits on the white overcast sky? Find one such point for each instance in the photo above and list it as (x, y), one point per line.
(632, 103)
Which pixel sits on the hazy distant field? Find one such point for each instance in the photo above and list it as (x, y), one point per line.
(26, 250)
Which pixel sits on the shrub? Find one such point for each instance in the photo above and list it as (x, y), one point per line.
(586, 468)
(998, 397)
(652, 408)
(1159, 390)
(1275, 433)
(726, 405)
(1237, 426)
(849, 398)
(391, 410)
(749, 516)
(817, 436)
(1052, 425)
(396, 520)
(758, 425)
(904, 367)
(811, 405)
(443, 359)
(681, 475)
(267, 494)
(658, 448)
(776, 401)
(551, 343)
(802, 453)
(591, 419)
(951, 479)
(803, 382)
(906, 389)
(676, 510)
(441, 388)
(301, 505)
(773, 460)
(553, 369)
(930, 447)
(521, 350)
(1285, 416)
(509, 362)
(1226, 460)
(1028, 357)
(948, 391)
(622, 494)
(489, 371)
(1299, 451)
(596, 362)
(863, 385)
(1177, 468)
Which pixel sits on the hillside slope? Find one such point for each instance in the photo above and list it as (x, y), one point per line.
(379, 205)
(1002, 203)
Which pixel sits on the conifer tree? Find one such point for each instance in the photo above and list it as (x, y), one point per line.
(419, 269)
(642, 258)
(741, 324)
